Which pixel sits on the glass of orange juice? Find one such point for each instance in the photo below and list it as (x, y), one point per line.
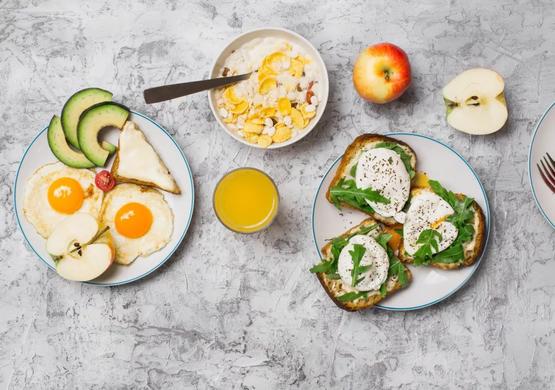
(246, 200)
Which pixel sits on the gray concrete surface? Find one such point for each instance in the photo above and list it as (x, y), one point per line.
(242, 312)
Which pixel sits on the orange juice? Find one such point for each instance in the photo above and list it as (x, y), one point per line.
(246, 200)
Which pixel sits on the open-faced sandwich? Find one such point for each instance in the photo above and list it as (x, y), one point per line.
(137, 162)
(375, 176)
(442, 229)
(360, 267)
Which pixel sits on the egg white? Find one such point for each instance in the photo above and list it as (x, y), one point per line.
(36, 207)
(375, 256)
(425, 209)
(128, 249)
(383, 170)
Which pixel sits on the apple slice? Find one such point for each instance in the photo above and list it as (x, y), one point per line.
(80, 251)
(475, 101)
(90, 264)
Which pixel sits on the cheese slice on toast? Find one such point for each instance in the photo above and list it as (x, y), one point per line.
(137, 162)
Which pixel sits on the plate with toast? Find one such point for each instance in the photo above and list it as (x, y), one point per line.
(109, 207)
(400, 222)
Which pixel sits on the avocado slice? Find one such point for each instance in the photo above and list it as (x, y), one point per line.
(111, 148)
(61, 149)
(74, 107)
(94, 119)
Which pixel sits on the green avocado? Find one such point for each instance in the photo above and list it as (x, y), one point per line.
(94, 119)
(74, 107)
(62, 150)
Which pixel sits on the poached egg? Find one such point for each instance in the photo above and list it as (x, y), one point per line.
(428, 211)
(383, 170)
(375, 257)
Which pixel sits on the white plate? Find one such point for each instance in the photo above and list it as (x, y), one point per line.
(440, 162)
(277, 33)
(38, 154)
(543, 141)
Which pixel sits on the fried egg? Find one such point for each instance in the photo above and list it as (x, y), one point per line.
(56, 191)
(383, 170)
(375, 257)
(428, 211)
(140, 220)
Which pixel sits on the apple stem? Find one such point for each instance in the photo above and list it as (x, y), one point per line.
(387, 74)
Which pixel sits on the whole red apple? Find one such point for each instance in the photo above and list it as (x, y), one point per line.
(381, 73)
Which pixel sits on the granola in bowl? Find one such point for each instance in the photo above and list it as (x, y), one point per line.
(279, 101)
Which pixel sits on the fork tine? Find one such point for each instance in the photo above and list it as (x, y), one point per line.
(545, 180)
(548, 170)
(549, 162)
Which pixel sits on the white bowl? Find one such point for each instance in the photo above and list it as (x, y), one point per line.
(278, 33)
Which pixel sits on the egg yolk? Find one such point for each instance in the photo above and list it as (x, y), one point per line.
(133, 220)
(66, 195)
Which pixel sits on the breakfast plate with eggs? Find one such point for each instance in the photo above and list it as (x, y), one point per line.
(400, 222)
(107, 212)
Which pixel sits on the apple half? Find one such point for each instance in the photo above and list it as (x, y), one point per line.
(81, 252)
(475, 101)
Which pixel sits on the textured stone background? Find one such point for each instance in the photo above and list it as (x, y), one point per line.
(240, 312)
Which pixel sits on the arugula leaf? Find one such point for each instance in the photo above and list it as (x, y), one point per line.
(383, 239)
(405, 158)
(346, 191)
(325, 267)
(356, 255)
(447, 196)
(396, 268)
(353, 171)
(351, 296)
(453, 254)
(429, 239)
(329, 266)
(383, 289)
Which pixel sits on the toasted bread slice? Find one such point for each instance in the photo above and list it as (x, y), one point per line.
(334, 287)
(351, 156)
(137, 162)
(472, 249)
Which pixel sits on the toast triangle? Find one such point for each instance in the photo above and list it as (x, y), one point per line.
(137, 162)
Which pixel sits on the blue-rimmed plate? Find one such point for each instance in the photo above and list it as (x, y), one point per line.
(543, 141)
(38, 154)
(440, 162)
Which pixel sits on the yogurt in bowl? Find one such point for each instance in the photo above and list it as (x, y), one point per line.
(285, 95)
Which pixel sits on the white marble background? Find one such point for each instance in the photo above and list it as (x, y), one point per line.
(242, 312)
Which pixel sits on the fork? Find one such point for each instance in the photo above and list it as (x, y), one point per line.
(548, 171)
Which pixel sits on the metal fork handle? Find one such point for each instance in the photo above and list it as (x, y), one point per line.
(172, 91)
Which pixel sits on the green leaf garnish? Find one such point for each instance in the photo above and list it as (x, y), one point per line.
(383, 289)
(429, 240)
(324, 266)
(356, 255)
(352, 296)
(453, 254)
(347, 192)
(405, 158)
(383, 239)
(353, 171)
(396, 268)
